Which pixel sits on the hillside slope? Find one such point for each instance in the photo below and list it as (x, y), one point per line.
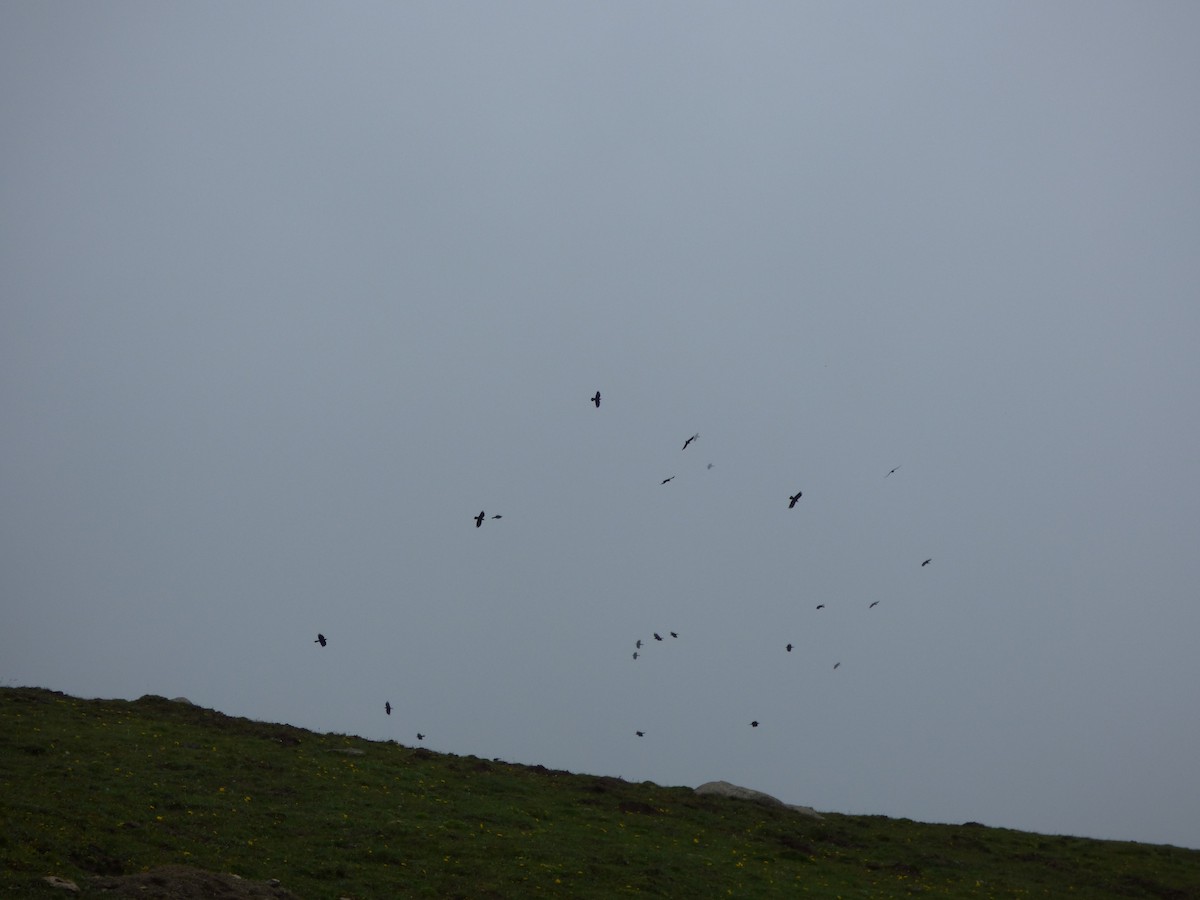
(103, 791)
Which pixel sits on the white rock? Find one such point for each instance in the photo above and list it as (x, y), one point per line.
(63, 883)
(725, 789)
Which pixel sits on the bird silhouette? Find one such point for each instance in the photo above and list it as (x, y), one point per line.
(689, 440)
(820, 606)
(497, 516)
(635, 654)
(657, 636)
(709, 466)
(479, 519)
(387, 707)
(873, 605)
(789, 648)
(320, 640)
(665, 480)
(596, 399)
(674, 634)
(927, 562)
(794, 498)
(754, 724)
(836, 664)
(639, 643)
(420, 737)
(640, 733)
(893, 470)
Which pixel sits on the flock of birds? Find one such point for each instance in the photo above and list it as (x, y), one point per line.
(793, 499)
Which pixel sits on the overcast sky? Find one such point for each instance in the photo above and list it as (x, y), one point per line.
(290, 292)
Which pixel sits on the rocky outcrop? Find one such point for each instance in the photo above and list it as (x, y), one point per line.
(725, 789)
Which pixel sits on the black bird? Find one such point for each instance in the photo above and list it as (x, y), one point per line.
(657, 636)
(836, 664)
(320, 640)
(927, 562)
(596, 399)
(820, 606)
(639, 643)
(893, 470)
(640, 733)
(497, 516)
(789, 648)
(479, 519)
(673, 634)
(689, 440)
(635, 654)
(794, 498)
(754, 724)
(710, 465)
(420, 737)
(665, 480)
(387, 707)
(873, 605)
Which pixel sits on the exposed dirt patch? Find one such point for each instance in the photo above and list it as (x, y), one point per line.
(604, 784)
(186, 883)
(794, 843)
(91, 858)
(637, 806)
(1135, 883)
(902, 869)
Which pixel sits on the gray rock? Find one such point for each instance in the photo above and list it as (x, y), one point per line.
(182, 700)
(725, 789)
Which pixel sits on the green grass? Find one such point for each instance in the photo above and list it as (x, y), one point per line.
(116, 787)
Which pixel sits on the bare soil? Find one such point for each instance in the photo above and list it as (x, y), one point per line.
(186, 883)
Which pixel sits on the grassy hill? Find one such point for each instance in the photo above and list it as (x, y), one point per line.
(104, 788)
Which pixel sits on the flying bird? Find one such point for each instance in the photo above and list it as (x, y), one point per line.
(789, 648)
(635, 654)
(836, 664)
(689, 440)
(387, 707)
(873, 605)
(674, 634)
(709, 466)
(640, 733)
(657, 636)
(479, 519)
(639, 643)
(420, 737)
(754, 724)
(497, 516)
(320, 640)
(927, 562)
(665, 480)
(893, 470)
(596, 399)
(794, 498)
(820, 606)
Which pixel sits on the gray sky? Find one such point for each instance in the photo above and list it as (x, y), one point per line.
(290, 292)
